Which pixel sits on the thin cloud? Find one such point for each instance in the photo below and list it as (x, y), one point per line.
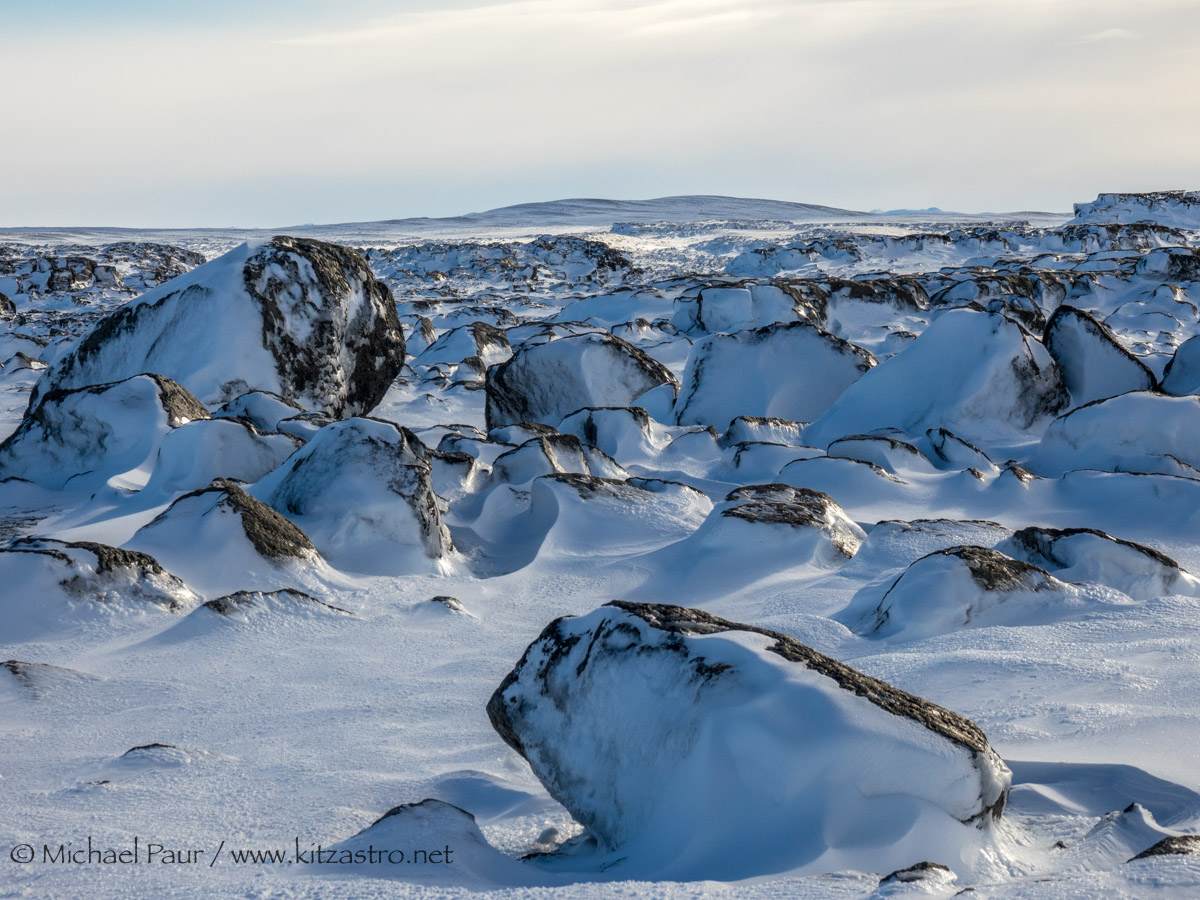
(1108, 34)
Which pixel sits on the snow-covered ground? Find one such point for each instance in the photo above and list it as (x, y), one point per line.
(900, 513)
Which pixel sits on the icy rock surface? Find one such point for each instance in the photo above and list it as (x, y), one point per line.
(302, 318)
(546, 381)
(694, 747)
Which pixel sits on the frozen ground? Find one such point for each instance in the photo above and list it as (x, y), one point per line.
(1002, 409)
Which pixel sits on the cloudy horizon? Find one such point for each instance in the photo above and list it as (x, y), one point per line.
(219, 114)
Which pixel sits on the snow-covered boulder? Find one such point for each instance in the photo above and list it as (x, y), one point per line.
(221, 539)
(52, 585)
(480, 340)
(262, 409)
(191, 456)
(553, 454)
(585, 517)
(1093, 362)
(1086, 554)
(976, 373)
(622, 432)
(793, 371)
(1182, 374)
(763, 429)
(86, 436)
(952, 452)
(545, 382)
(361, 489)
(1176, 209)
(1135, 432)
(968, 587)
(299, 317)
(755, 533)
(693, 747)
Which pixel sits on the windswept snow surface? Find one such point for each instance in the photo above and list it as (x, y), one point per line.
(262, 569)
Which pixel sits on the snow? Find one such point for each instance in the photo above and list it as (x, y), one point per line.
(298, 677)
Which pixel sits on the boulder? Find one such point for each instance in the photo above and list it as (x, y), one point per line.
(57, 586)
(362, 489)
(191, 456)
(976, 373)
(968, 587)
(1089, 555)
(1134, 432)
(793, 371)
(544, 382)
(1093, 362)
(1182, 374)
(82, 437)
(301, 318)
(222, 539)
(692, 747)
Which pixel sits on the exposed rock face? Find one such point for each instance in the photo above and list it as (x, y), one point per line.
(1092, 360)
(975, 373)
(1175, 845)
(793, 371)
(362, 482)
(1085, 554)
(86, 435)
(545, 382)
(302, 318)
(967, 587)
(670, 733)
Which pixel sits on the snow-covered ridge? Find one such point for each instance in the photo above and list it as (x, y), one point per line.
(1174, 209)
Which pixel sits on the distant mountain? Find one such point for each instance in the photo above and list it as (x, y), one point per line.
(594, 211)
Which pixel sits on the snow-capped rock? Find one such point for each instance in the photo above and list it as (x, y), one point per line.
(262, 409)
(221, 539)
(361, 490)
(480, 340)
(792, 371)
(1176, 209)
(1182, 374)
(1086, 554)
(976, 373)
(755, 533)
(1093, 362)
(694, 747)
(298, 317)
(764, 429)
(968, 587)
(553, 454)
(83, 437)
(52, 585)
(624, 433)
(1135, 432)
(191, 456)
(545, 382)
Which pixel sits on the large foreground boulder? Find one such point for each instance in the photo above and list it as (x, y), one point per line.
(85, 436)
(692, 747)
(545, 382)
(793, 371)
(302, 318)
(978, 374)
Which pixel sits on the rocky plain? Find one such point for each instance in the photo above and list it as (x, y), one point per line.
(687, 547)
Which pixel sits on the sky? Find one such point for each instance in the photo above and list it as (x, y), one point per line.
(261, 113)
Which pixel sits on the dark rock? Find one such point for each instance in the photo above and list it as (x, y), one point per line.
(1175, 845)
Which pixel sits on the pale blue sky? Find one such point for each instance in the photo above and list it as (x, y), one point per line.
(266, 112)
